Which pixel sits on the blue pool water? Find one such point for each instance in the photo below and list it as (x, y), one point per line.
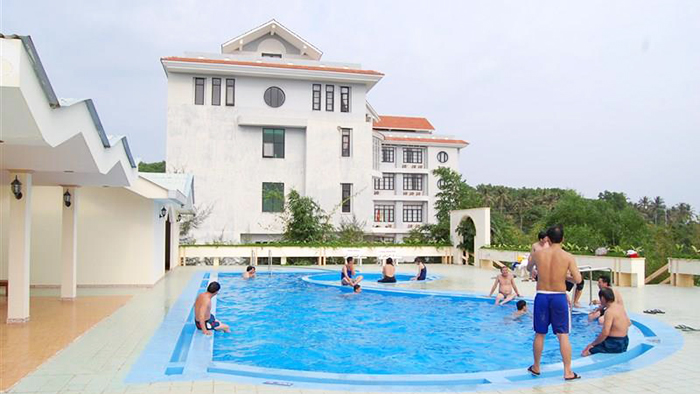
(283, 322)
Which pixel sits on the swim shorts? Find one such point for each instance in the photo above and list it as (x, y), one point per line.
(570, 286)
(612, 345)
(211, 323)
(551, 309)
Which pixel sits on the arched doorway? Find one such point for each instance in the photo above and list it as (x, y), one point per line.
(481, 217)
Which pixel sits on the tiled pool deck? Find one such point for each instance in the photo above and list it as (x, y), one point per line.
(99, 361)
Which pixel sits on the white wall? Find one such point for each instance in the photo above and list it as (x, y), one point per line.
(121, 239)
(226, 158)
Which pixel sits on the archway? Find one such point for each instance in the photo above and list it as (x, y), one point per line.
(481, 217)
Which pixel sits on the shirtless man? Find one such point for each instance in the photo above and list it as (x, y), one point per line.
(604, 283)
(347, 273)
(506, 284)
(543, 242)
(249, 272)
(613, 338)
(204, 320)
(551, 303)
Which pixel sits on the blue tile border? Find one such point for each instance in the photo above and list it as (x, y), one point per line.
(166, 359)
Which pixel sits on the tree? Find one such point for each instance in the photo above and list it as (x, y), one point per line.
(193, 221)
(351, 231)
(657, 206)
(304, 220)
(156, 166)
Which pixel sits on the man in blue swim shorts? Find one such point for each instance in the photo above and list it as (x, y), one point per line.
(203, 318)
(551, 305)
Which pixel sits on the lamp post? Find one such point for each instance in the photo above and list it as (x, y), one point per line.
(163, 212)
(16, 188)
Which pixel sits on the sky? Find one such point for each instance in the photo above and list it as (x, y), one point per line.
(592, 96)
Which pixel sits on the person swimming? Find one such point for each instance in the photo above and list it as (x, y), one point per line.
(422, 269)
(357, 289)
(249, 272)
(388, 272)
(521, 309)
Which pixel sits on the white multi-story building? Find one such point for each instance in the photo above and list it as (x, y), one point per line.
(267, 116)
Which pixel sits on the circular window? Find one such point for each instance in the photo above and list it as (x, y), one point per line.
(442, 157)
(274, 97)
(441, 183)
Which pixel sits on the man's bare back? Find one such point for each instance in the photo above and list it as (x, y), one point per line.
(553, 265)
(202, 307)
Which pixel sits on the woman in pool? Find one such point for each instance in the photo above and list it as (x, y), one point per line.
(422, 269)
(388, 272)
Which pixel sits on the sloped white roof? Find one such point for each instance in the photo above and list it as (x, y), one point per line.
(274, 27)
(183, 183)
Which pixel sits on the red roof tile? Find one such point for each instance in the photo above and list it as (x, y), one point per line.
(427, 140)
(402, 123)
(272, 65)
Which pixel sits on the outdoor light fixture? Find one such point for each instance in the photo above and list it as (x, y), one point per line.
(163, 212)
(66, 199)
(17, 188)
(179, 217)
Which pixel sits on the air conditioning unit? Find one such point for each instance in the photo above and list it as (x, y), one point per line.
(405, 193)
(376, 192)
(403, 166)
(413, 166)
(389, 225)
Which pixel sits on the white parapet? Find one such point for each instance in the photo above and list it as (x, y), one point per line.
(627, 271)
(683, 270)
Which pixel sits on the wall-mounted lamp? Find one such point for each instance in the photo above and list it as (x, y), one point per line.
(179, 217)
(17, 188)
(163, 212)
(66, 199)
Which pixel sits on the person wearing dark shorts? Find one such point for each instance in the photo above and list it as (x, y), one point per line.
(613, 337)
(551, 308)
(578, 293)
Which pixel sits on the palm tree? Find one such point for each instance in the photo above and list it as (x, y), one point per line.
(657, 205)
(644, 206)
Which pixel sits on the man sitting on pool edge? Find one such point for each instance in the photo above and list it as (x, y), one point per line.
(347, 273)
(613, 338)
(204, 320)
(507, 290)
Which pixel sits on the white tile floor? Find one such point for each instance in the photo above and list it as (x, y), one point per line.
(98, 361)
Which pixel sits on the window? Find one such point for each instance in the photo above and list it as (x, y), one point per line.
(199, 91)
(272, 197)
(316, 97)
(384, 213)
(387, 155)
(413, 155)
(412, 182)
(344, 99)
(412, 213)
(345, 144)
(376, 152)
(273, 143)
(346, 197)
(274, 97)
(330, 92)
(216, 91)
(386, 182)
(441, 183)
(442, 156)
(277, 55)
(230, 92)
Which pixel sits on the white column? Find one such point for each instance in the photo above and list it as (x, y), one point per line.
(18, 250)
(69, 243)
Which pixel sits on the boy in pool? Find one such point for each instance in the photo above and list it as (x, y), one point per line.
(357, 289)
(613, 337)
(249, 272)
(522, 309)
(507, 290)
(204, 320)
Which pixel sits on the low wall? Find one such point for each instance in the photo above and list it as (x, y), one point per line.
(628, 272)
(399, 253)
(682, 271)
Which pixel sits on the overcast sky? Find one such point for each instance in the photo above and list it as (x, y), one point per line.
(591, 96)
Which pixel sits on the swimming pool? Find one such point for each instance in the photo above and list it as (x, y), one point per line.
(303, 330)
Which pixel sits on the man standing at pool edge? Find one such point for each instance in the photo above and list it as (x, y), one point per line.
(551, 304)
(203, 318)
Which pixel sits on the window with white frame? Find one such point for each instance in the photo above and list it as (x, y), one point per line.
(387, 154)
(386, 182)
(412, 182)
(412, 213)
(345, 142)
(384, 213)
(413, 155)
